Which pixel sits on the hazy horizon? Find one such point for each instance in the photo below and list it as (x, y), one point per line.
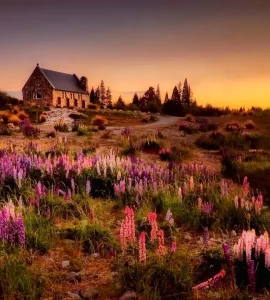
(222, 47)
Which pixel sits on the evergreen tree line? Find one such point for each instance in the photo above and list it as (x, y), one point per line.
(180, 103)
(101, 96)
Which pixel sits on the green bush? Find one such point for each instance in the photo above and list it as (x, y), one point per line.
(39, 232)
(94, 238)
(18, 282)
(167, 277)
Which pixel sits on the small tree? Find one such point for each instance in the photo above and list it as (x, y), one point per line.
(108, 99)
(176, 96)
(135, 99)
(186, 101)
(120, 104)
(97, 95)
(102, 96)
(158, 93)
(92, 96)
(166, 97)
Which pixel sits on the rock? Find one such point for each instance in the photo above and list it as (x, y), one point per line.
(74, 296)
(89, 293)
(73, 277)
(129, 295)
(65, 263)
(95, 255)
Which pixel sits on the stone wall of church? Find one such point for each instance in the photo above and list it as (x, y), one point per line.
(37, 90)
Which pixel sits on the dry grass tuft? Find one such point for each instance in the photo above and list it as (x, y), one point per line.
(232, 126)
(189, 118)
(22, 115)
(14, 119)
(100, 121)
(4, 115)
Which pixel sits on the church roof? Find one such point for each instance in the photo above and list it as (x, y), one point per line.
(63, 81)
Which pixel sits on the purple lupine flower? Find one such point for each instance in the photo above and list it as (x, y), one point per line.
(21, 231)
(207, 208)
(229, 260)
(251, 276)
(12, 229)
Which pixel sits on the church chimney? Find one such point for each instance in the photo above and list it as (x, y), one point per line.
(84, 83)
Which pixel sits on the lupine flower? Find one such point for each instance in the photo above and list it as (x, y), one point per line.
(21, 230)
(152, 218)
(245, 186)
(210, 282)
(229, 260)
(251, 276)
(173, 246)
(142, 247)
(207, 208)
(169, 215)
(161, 243)
(12, 228)
(191, 183)
(127, 230)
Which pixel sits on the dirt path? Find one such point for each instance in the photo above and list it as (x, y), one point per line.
(162, 121)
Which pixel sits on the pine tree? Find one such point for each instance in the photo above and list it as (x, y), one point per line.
(135, 99)
(120, 104)
(179, 87)
(108, 99)
(92, 96)
(102, 96)
(166, 97)
(176, 96)
(158, 93)
(186, 94)
(97, 95)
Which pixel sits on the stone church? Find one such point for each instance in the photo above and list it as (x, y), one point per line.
(50, 88)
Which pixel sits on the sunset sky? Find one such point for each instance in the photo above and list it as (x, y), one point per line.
(222, 47)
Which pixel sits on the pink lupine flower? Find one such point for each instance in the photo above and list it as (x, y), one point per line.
(161, 243)
(127, 230)
(210, 282)
(123, 235)
(245, 186)
(267, 258)
(180, 193)
(142, 247)
(191, 183)
(173, 247)
(152, 218)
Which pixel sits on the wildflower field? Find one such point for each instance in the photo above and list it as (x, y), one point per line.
(124, 214)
